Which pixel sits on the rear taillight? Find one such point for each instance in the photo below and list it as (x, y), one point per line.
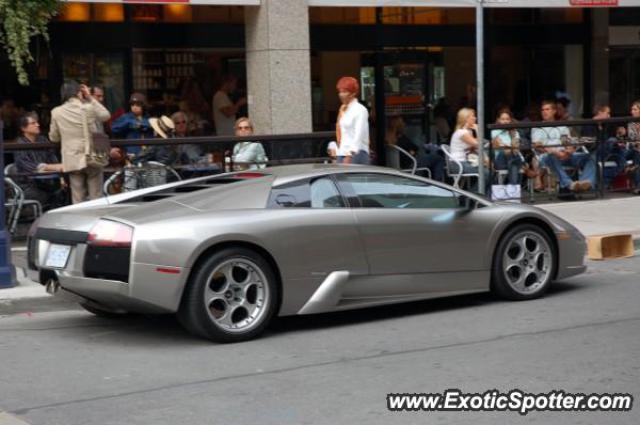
(110, 233)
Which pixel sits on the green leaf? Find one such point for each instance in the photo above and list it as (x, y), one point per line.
(20, 21)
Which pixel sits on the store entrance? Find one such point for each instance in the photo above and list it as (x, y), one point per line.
(414, 81)
(624, 74)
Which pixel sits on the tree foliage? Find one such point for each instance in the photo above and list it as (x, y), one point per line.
(20, 20)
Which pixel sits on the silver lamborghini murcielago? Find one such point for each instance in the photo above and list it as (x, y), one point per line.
(229, 252)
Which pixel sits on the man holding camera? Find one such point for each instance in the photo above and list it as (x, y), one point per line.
(72, 124)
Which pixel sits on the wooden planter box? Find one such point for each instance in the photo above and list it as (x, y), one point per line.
(606, 247)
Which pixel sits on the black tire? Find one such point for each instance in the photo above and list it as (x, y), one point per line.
(99, 311)
(211, 299)
(524, 263)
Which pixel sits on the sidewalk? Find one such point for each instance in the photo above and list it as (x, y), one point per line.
(593, 217)
(601, 216)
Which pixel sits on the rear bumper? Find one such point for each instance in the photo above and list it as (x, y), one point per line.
(110, 293)
(149, 290)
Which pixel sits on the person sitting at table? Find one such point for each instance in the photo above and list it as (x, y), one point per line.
(507, 145)
(47, 188)
(165, 154)
(550, 143)
(429, 159)
(190, 153)
(465, 147)
(134, 124)
(247, 155)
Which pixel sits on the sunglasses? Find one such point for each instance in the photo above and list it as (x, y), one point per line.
(244, 127)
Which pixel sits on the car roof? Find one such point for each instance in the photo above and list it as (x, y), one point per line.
(287, 173)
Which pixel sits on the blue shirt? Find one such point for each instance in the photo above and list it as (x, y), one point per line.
(128, 126)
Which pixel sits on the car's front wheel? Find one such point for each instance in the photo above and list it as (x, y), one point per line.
(231, 296)
(524, 263)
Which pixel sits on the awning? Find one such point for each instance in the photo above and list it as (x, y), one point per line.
(194, 2)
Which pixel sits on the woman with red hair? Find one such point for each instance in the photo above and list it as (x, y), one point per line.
(352, 128)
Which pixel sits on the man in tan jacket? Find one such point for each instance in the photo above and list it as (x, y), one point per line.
(72, 124)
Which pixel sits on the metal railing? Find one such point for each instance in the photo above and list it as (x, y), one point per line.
(595, 145)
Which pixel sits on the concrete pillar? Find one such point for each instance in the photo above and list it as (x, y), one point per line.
(600, 56)
(574, 79)
(278, 66)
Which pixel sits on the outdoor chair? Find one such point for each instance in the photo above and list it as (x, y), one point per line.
(15, 201)
(454, 168)
(394, 153)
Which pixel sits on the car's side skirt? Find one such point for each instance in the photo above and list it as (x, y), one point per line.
(342, 291)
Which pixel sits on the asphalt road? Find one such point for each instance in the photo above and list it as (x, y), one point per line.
(60, 365)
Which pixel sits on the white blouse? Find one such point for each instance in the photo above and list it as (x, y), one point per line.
(354, 130)
(459, 148)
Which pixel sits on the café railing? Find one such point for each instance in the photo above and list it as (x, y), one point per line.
(601, 126)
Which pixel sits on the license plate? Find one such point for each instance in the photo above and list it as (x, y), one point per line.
(57, 256)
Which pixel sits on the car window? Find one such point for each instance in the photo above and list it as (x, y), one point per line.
(324, 194)
(319, 193)
(388, 191)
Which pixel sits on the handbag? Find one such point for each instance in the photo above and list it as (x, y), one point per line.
(97, 145)
(506, 192)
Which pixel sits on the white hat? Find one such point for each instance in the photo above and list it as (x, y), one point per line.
(163, 126)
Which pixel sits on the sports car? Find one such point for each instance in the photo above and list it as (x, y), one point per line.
(228, 252)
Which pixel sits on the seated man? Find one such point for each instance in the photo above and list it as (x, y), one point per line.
(426, 156)
(549, 142)
(167, 155)
(46, 188)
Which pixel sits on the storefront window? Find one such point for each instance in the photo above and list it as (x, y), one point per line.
(428, 16)
(75, 12)
(342, 15)
(177, 13)
(108, 12)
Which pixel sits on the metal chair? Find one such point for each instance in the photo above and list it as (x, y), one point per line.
(393, 160)
(456, 176)
(15, 199)
(140, 176)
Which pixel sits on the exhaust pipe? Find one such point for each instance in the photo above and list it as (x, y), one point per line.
(52, 286)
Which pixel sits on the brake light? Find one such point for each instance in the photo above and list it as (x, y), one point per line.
(110, 233)
(248, 175)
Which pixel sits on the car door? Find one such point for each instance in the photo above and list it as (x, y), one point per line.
(410, 227)
(317, 232)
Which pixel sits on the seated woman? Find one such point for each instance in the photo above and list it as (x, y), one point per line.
(464, 144)
(46, 189)
(507, 144)
(247, 155)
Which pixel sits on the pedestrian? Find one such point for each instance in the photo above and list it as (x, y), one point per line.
(72, 124)
(352, 126)
(134, 124)
(224, 110)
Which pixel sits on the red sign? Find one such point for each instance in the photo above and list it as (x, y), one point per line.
(593, 2)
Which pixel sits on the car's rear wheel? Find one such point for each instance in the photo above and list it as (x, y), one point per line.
(524, 263)
(231, 297)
